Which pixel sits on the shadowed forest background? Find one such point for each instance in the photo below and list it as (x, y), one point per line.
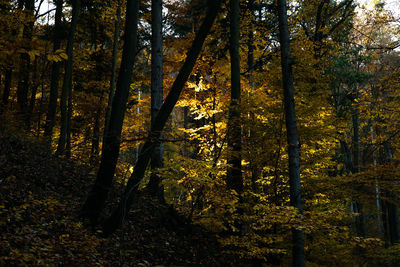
(199, 132)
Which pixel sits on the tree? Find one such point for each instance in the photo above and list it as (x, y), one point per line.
(24, 71)
(55, 72)
(117, 218)
(113, 69)
(66, 91)
(156, 92)
(291, 129)
(234, 178)
(98, 194)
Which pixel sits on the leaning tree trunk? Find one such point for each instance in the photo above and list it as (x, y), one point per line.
(291, 129)
(97, 197)
(55, 73)
(118, 216)
(156, 93)
(234, 179)
(66, 90)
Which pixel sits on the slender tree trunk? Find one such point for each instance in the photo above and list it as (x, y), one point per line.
(99, 73)
(377, 190)
(234, 179)
(255, 170)
(6, 8)
(66, 91)
(34, 87)
(391, 205)
(94, 153)
(186, 126)
(55, 73)
(23, 83)
(24, 71)
(118, 216)
(156, 93)
(291, 129)
(68, 126)
(357, 206)
(113, 72)
(75, 14)
(7, 85)
(97, 197)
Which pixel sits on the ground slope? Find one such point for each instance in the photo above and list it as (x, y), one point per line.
(40, 196)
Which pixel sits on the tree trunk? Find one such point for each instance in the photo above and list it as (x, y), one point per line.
(24, 71)
(156, 93)
(291, 129)
(357, 206)
(234, 179)
(118, 216)
(391, 205)
(94, 152)
(255, 170)
(34, 87)
(97, 197)
(66, 91)
(113, 72)
(377, 190)
(7, 85)
(55, 73)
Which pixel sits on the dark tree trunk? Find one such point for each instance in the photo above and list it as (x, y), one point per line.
(94, 153)
(234, 179)
(186, 126)
(255, 170)
(113, 72)
(55, 73)
(118, 216)
(390, 204)
(66, 91)
(97, 197)
(393, 219)
(7, 85)
(24, 71)
(357, 206)
(34, 87)
(23, 83)
(156, 93)
(291, 128)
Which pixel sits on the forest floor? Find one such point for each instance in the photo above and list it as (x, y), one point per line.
(40, 197)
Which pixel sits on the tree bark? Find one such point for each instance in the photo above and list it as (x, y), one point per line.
(118, 216)
(94, 152)
(357, 206)
(24, 70)
(34, 87)
(156, 93)
(55, 73)
(113, 72)
(234, 179)
(7, 85)
(66, 91)
(291, 129)
(392, 209)
(97, 197)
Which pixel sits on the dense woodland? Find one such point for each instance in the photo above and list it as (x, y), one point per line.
(199, 132)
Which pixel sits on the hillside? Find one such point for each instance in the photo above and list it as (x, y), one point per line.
(40, 197)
